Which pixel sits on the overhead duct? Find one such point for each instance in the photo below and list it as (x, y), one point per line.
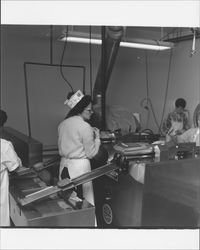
(113, 35)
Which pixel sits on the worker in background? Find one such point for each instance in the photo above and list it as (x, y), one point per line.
(191, 135)
(9, 163)
(179, 115)
(78, 142)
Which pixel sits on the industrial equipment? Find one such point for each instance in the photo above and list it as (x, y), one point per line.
(33, 203)
(145, 136)
(171, 194)
(28, 149)
(121, 200)
(171, 184)
(118, 195)
(54, 210)
(178, 151)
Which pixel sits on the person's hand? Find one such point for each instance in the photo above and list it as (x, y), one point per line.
(96, 133)
(168, 138)
(176, 126)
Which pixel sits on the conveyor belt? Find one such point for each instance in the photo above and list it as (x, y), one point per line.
(67, 184)
(93, 174)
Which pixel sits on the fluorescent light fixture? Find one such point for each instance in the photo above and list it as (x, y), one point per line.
(144, 46)
(82, 40)
(154, 45)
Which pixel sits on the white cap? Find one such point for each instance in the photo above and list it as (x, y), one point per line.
(74, 99)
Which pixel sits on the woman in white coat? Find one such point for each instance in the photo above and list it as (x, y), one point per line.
(9, 162)
(78, 142)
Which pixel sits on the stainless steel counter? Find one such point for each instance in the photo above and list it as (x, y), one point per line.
(171, 194)
(168, 198)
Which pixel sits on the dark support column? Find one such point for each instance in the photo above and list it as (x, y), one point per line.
(113, 37)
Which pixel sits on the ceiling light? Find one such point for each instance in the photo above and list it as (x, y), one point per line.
(152, 45)
(144, 46)
(82, 40)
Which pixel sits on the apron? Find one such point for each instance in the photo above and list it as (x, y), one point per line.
(4, 199)
(77, 167)
(196, 137)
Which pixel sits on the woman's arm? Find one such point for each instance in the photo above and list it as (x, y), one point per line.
(10, 158)
(91, 141)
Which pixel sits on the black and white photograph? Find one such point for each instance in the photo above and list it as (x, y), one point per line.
(100, 127)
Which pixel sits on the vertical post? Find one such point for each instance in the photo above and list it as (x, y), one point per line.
(84, 80)
(27, 102)
(51, 44)
(103, 78)
(90, 53)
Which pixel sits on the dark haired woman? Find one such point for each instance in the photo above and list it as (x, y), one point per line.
(180, 114)
(78, 142)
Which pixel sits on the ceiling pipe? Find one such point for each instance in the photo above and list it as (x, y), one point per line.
(183, 38)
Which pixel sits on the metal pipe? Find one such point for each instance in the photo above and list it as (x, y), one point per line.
(83, 79)
(103, 79)
(90, 54)
(27, 101)
(56, 65)
(51, 44)
(182, 38)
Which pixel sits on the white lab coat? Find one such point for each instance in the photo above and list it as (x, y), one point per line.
(9, 162)
(77, 143)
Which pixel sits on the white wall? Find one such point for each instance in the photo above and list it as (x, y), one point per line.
(47, 89)
(127, 85)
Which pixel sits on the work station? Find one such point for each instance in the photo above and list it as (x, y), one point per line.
(139, 88)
